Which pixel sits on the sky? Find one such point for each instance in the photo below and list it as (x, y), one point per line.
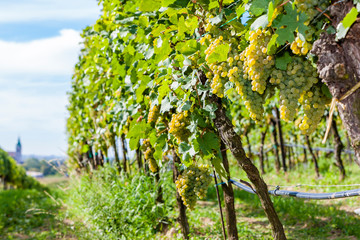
(39, 46)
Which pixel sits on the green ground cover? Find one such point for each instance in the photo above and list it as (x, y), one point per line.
(106, 206)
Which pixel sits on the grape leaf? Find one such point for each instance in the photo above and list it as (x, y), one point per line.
(271, 47)
(344, 26)
(136, 132)
(208, 143)
(149, 5)
(189, 47)
(165, 105)
(288, 23)
(219, 168)
(325, 90)
(270, 11)
(282, 62)
(260, 22)
(258, 7)
(220, 53)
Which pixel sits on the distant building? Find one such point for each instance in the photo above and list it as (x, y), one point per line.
(17, 155)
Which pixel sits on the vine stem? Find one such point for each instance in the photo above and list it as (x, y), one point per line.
(219, 201)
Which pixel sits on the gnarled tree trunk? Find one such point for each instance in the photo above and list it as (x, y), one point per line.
(339, 67)
(339, 146)
(261, 150)
(117, 160)
(233, 141)
(183, 221)
(275, 144)
(230, 213)
(316, 165)
(138, 158)
(122, 141)
(281, 139)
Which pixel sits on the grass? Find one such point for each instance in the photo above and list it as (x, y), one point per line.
(33, 214)
(106, 206)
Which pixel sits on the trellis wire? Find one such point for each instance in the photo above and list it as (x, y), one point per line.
(320, 186)
(314, 196)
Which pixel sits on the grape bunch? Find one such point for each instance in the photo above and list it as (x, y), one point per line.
(218, 71)
(222, 72)
(298, 78)
(257, 63)
(253, 101)
(178, 126)
(148, 154)
(313, 103)
(309, 7)
(153, 114)
(193, 183)
(300, 47)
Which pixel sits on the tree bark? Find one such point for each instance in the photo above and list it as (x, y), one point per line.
(339, 146)
(305, 156)
(248, 144)
(233, 141)
(230, 213)
(339, 67)
(102, 159)
(348, 148)
(313, 156)
(289, 158)
(281, 139)
(5, 186)
(91, 157)
(138, 158)
(261, 150)
(117, 160)
(159, 197)
(122, 141)
(275, 145)
(183, 221)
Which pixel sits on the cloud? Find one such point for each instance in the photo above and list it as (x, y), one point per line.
(49, 56)
(34, 78)
(39, 10)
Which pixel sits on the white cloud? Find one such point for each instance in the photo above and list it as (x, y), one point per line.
(34, 78)
(39, 10)
(49, 56)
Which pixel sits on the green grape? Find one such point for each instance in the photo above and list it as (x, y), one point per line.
(313, 103)
(253, 100)
(257, 64)
(148, 154)
(153, 114)
(299, 77)
(178, 126)
(193, 183)
(153, 165)
(300, 47)
(309, 7)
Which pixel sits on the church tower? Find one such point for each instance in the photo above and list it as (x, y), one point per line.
(18, 156)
